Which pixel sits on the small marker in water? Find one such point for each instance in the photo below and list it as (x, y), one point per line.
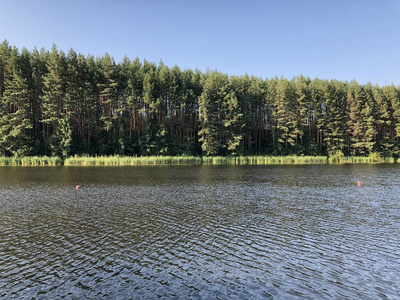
(78, 187)
(359, 183)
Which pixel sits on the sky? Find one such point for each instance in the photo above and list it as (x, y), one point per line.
(341, 39)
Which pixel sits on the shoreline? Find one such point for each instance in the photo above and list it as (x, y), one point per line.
(86, 161)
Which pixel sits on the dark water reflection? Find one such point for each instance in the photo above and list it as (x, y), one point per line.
(205, 232)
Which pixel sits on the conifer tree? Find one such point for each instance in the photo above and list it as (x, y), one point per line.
(335, 130)
(52, 99)
(189, 112)
(132, 92)
(15, 115)
(221, 116)
(5, 53)
(233, 123)
(391, 141)
(108, 91)
(287, 129)
(150, 141)
(361, 120)
(38, 61)
(215, 89)
(318, 116)
(303, 99)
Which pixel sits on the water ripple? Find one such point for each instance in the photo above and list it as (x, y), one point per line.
(203, 233)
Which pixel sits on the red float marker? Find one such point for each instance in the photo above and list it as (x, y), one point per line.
(78, 187)
(359, 183)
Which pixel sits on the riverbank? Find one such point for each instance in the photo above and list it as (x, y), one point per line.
(31, 161)
(187, 160)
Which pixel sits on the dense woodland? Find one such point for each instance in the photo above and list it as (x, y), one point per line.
(62, 104)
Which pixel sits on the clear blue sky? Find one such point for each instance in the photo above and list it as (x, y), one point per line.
(341, 39)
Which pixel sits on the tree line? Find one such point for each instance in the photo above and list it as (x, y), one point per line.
(62, 104)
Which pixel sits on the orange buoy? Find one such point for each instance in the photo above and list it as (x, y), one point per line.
(78, 187)
(359, 183)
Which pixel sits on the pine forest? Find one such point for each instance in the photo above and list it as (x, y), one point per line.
(64, 104)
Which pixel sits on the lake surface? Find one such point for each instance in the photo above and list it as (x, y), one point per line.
(200, 232)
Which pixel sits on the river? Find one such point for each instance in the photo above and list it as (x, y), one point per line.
(200, 232)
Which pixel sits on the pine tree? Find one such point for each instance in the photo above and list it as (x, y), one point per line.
(62, 138)
(189, 112)
(220, 115)
(38, 61)
(149, 143)
(215, 89)
(303, 103)
(53, 100)
(5, 53)
(250, 94)
(91, 125)
(108, 93)
(361, 120)
(132, 93)
(233, 123)
(15, 114)
(287, 130)
(390, 142)
(318, 117)
(335, 130)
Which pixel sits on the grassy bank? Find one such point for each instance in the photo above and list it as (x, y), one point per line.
(361, 160)
(187, 160)
(191, 160)
(131, 161)
(264, 160)
(31, 161)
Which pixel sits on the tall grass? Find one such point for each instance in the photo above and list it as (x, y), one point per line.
(31, 161)
(189, 160)
(360, 160)
(131, 161)
(192, 160)
(264, 160)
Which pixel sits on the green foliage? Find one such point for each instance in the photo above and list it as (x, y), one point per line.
(30, 161)
(287, 130)
(61, 141)
(220, 114)
(361, 159)
(265, 160)
(15, 117)
(65, 105)
(131, 161)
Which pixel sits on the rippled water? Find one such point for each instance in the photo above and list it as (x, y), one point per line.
(200, 232)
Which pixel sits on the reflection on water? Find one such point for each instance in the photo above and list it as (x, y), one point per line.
(203, 232)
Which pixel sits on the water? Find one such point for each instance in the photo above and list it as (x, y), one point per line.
(200, 232)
